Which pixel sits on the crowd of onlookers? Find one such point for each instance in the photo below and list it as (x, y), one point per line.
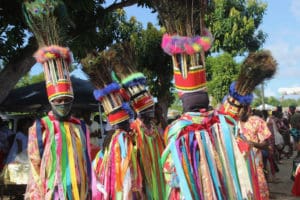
(284, 141)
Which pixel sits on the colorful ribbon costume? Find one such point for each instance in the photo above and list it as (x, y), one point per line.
(58, 146)
(59, 160)
(202, 159)
(116, 165)
(148, 140)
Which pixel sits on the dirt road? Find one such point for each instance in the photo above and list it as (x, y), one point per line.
(281, 189)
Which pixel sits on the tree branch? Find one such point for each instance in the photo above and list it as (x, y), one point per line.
(121, 4)
(16, 69)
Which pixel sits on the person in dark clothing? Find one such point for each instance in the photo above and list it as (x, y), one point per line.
(283, 128)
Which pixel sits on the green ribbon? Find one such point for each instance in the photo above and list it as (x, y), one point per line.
(53, 153)
(64, 157)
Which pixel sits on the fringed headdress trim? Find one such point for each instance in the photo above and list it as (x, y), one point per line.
(53, 52)
(100, 93)
(134, 79)
(56, 61)
(175, 44)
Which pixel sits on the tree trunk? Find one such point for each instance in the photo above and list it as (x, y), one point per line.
(15, 70)
(163, 102)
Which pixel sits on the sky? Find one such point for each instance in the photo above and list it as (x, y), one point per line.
(281, 23)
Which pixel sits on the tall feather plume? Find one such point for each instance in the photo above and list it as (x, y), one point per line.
(41, 19)
(256, 68)
(98, 66)
(184, 17)
(124, 62)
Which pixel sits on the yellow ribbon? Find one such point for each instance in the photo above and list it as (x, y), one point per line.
(72, 162)
(80, 161)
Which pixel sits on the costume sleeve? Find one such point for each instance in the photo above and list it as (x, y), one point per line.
(34, 186)
(263, 131)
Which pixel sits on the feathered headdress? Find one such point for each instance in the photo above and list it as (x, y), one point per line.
(186, 41)
(98, 66)
(124, 65)
(257, 67)
(40, 17)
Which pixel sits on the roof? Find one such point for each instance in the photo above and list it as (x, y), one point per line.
(33, 98)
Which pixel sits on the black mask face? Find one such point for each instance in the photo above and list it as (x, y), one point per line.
(193, 102)
(62, 111)
(149, 113)
(147, 116)
(125, 125)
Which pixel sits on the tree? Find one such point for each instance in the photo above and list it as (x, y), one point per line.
(155, 64)
(272, 101)
(87, 26)
(235, 24)
(28, 80)
(288, 102)
(258, 98)
(221, 71)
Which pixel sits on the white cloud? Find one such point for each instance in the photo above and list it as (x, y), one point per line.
(295, 8)
(287, 57)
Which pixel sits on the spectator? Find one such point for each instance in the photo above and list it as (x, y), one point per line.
(295, 129)
(291, 112)
(283, 128)
(255, 130)
(95, 131)
(6, 138)
(20, 140)
(295, 132)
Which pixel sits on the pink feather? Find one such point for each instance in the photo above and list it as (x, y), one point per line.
(189, 49)
(205, 43)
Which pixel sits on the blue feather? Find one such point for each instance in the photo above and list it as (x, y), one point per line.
(98, 94)
(244, 100)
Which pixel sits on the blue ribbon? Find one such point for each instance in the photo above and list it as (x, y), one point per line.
(229, 149)
(184, 188)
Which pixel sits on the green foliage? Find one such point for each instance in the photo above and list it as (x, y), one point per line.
(289, 101)
(177, 104)
(257, 98)
(92, 29)
(221, 71)
(234, 25)
(154, 63)
(28, 80)
(272, 101)
(88, 26)
(12, 30)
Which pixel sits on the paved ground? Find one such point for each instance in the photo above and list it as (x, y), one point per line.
(281, 189)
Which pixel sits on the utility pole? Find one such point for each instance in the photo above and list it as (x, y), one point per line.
(263, 95)
(282, 97)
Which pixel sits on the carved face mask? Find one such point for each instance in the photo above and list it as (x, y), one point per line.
(61, 108)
